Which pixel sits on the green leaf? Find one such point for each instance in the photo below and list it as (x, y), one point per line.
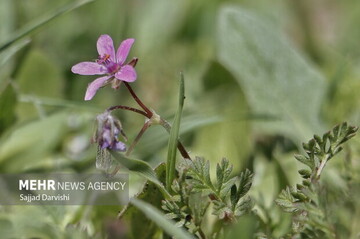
(199, 172)
(26, 146)
(286, 201)
(223, 172)
(275, 78)
(245, 183)
(243, 206)
(142, 168)
(308, 202)
(303, 159)
(46, 18)
(305, 173)
(174, 137)
(8, 100)
(51, 222)
(159, 218)
(140, 226)
(319, 152)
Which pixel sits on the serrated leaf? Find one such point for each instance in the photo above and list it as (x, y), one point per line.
(307, 200)
(286, 201)
(343, 129)
(318, 140)
(299, 196)
(243, 206)
(245, 183)
(223, 172)
(198, 205)
(326, 136)
(200, 171)
(305, 173)
(304, 160)
(336, 130)
(206, 173)
(227, 186)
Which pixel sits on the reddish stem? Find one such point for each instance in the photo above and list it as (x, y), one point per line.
(149, 114)
(123, 107)
(140, 103)
(136, 140)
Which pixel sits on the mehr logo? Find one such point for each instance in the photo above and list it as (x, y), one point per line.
(34, 184)
(49, 184)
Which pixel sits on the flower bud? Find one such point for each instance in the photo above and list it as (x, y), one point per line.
(107, 133)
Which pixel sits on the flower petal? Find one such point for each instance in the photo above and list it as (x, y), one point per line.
(123, 50)
(88, 68)
(126, 73)
(94, 86)
(119, 146)
(105, 46)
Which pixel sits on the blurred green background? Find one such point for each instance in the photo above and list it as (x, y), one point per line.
(261, 78)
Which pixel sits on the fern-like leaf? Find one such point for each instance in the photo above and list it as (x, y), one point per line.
(309, 217)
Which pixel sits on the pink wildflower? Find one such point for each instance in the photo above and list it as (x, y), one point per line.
(109, 64)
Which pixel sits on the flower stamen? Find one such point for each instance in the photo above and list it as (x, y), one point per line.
(104, 60)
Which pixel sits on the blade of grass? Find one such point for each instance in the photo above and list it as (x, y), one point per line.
(174, 137)
(7, 17)
(141, 168)
(159, 218)
(41, 21)
(10, 51)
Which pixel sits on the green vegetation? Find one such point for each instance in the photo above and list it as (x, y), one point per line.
(258, 78)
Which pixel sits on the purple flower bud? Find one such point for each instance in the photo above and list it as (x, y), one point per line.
(107, 133)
